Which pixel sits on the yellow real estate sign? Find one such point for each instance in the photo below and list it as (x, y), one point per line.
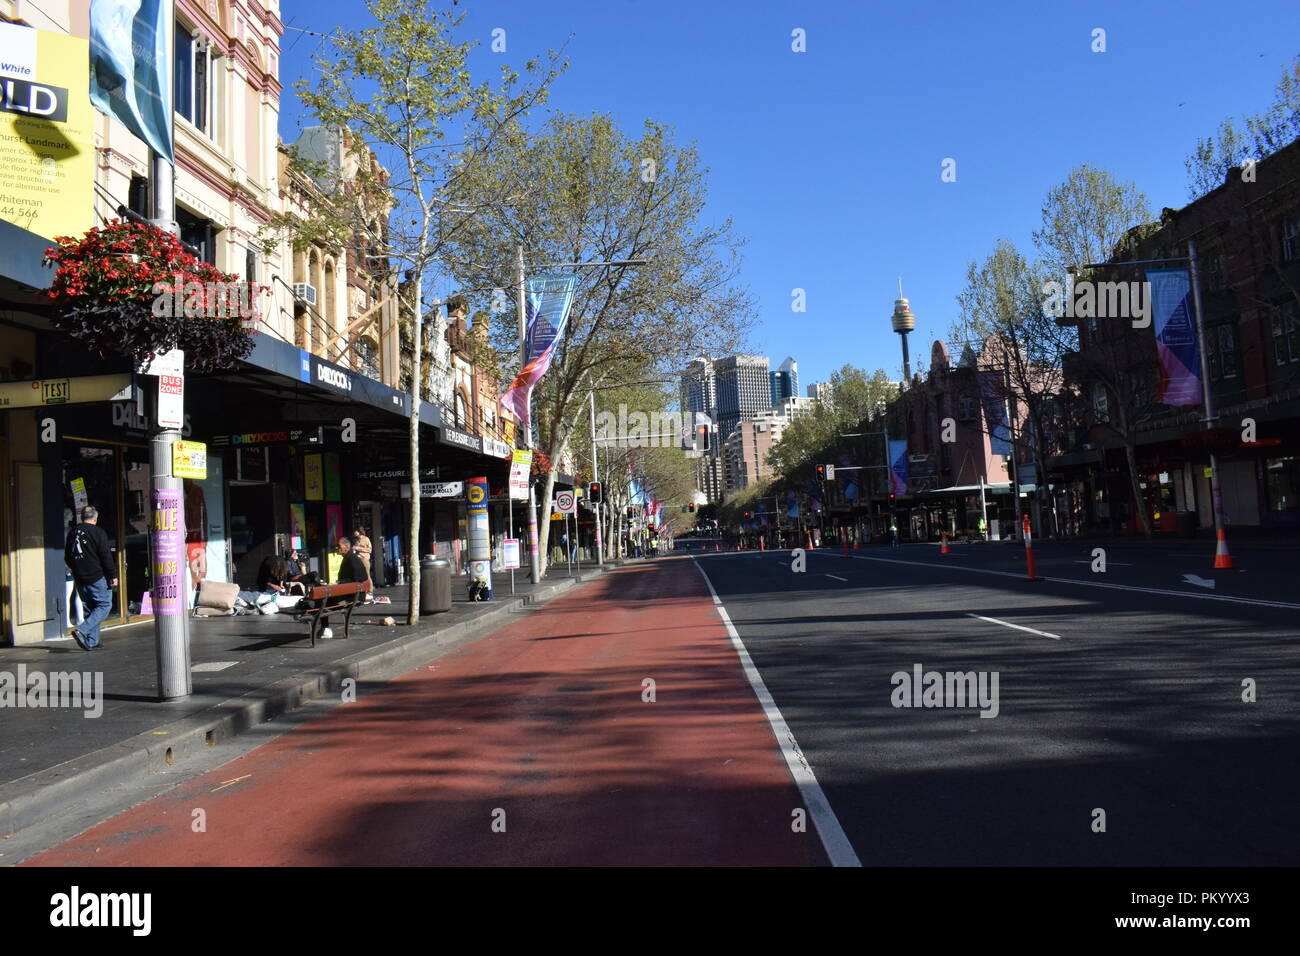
(47, 148)
(189, 459)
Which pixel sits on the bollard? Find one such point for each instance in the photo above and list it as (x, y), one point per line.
(1029, 549)
(943, 547)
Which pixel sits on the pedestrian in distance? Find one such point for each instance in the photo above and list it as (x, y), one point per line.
(893, 533)
(94, 571)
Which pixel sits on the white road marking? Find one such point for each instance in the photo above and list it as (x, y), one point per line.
(1020, 576)
(837, 577)
(1018, 627)
(212, 666)
(1118, 564)
(837, 845)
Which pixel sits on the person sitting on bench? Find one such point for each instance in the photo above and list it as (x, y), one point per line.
(351, 571)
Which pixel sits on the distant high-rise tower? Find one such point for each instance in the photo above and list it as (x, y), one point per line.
(904, 322)
(699, 389)
(784, 381)
(744, 390)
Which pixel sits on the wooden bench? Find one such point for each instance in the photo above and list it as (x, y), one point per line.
(331, 599)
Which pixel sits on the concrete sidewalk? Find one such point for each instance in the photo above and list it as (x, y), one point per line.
(246, 670)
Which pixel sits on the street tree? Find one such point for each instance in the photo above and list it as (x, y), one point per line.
(1255, 136)
(587, 192)
(400, 97)
(1091, 217)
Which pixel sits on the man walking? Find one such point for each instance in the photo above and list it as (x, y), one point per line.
(893, 533)
(94, 571)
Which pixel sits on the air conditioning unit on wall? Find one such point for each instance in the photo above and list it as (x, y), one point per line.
(304, 292)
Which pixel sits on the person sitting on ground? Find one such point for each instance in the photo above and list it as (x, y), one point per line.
(271, 577)
(296, 573)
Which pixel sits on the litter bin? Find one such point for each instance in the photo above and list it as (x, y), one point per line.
(435, 585)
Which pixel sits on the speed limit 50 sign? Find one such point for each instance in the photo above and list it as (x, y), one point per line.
(564, 502)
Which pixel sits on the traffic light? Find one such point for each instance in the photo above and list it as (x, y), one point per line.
(629, 512)
(691, 507)
(594, 493)
(821, 472)
(701, 438)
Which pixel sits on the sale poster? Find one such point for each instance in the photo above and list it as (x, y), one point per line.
(169, 546)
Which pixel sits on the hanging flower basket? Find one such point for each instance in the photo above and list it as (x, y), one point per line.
(133, 291)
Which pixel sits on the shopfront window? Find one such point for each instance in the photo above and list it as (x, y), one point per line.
(1283, 481)
(115, 479)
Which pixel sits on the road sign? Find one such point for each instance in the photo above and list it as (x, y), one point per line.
(189, 459)
(164, 363)
(441, 489)
(171, 401)
(510, 553)
(520, 465)
(830, 472)
(565, 502)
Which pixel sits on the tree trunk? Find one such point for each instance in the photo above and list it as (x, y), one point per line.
(544, 508)
(1139, 503)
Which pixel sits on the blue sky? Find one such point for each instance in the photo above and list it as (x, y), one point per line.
(829, 160)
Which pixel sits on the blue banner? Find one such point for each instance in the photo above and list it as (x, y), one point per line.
(130, 67)
(993, 397)
(791, 504)
(549, 299)
(1176, 347)
(898, 466)
(848, 479)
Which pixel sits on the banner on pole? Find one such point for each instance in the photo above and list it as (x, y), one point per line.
(898, 466)
(1176, 347)
(130, 67)
(993, 396)
(548, 302)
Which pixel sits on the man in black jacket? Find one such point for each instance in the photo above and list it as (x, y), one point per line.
(95, 572)
(351, 571)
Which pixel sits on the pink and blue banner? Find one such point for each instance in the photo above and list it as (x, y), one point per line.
(1176, 348)
(898, 467)
(549, 299)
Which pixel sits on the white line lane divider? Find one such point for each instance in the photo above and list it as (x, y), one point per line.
(837, 845)
(837, 577)
(1020, 576)
(1018, 627)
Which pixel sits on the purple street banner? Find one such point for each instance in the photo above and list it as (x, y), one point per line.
(169, 545)
(993, 397)
(848, 479)
(813, 493)
(1176, 348)
(549, 299)
(898, 466)
(791, 504)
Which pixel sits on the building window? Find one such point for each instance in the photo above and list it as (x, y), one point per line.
(1291, 238)
(138, 196)
(966, 408)
(200, 233)
(460, 411)
(1221, 344)
(195, 84)
(1286, 334)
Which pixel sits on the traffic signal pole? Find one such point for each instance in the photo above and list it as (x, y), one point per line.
(595, 478)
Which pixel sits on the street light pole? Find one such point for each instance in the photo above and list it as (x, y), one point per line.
(595, 477)
(1207, 394)
(536, 573)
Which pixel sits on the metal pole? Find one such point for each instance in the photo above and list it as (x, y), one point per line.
(527, 432)
(984, 509)
(595, 477)
(1013, 467)
(170, 613)
(1207, 393)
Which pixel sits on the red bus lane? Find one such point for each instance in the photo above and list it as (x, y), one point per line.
(614, 726)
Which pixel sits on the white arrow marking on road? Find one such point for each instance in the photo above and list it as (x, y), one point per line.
(1018, 627)
(1198, 581)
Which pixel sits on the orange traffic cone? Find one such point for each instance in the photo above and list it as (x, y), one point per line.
(943, 548)
(846, 546)
(1222, 559)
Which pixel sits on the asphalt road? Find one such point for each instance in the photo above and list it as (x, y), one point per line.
(1117, 698)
